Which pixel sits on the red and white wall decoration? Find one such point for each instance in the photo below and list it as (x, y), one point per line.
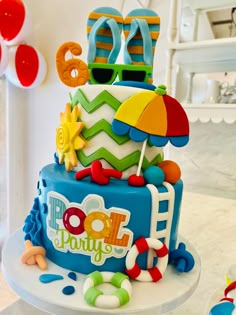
(22, 64)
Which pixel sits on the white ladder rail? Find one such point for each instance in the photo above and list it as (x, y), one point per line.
(156, 216)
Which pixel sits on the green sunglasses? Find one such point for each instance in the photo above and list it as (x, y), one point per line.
(104, 73)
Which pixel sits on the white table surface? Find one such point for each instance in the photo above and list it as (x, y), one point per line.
(147, 298)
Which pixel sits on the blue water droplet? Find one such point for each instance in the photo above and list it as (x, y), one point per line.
(68, 290)
(47, 278)
(72, 275)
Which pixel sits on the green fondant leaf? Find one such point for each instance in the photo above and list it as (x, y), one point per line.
(90, 106)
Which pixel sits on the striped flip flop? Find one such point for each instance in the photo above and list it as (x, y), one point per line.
(141, 30)
(104, 27)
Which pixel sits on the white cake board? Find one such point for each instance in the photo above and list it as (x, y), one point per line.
(147, 298)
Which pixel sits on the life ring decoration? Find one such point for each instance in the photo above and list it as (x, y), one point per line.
(96, 297)
(154, 273)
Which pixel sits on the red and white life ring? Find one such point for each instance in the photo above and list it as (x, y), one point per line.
(151, 274)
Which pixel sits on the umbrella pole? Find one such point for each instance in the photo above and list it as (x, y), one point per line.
(141, 157)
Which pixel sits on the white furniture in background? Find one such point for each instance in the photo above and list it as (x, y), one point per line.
(205, 56)
(199, 7)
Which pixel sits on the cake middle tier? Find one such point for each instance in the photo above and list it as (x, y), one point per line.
(98, 105)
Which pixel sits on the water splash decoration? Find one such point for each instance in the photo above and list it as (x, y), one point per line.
(50, 277)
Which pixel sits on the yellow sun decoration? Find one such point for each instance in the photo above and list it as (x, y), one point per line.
(67, 137)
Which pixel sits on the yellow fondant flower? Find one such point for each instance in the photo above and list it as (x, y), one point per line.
(67, 137)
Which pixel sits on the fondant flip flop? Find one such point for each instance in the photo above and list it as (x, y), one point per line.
(141, 30)
(104, 29)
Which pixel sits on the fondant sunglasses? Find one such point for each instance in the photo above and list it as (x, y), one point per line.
(101, 73)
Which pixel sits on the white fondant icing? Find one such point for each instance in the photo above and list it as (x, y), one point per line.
(157, 217)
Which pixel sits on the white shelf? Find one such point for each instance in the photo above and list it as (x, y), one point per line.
(215, 113)
(203, 56)
(210, 4)
(216, 55)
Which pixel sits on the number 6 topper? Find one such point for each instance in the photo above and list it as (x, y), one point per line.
(74, 71)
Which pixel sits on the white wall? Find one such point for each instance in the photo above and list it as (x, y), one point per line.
(37, 111)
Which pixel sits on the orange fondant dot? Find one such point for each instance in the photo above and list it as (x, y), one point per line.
(171, 170)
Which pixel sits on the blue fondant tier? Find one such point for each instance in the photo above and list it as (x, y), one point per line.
(85, 226)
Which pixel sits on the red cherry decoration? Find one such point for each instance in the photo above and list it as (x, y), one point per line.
(135, 180)
(15, 22)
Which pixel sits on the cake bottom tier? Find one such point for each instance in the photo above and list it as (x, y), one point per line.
(86, 227)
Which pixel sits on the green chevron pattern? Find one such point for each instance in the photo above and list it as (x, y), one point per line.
(103, 125)
(90, 106)
(120, 165)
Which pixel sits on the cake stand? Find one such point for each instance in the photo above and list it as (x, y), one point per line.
(147, 298)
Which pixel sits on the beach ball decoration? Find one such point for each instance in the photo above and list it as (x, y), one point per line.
(26, 67)
(15, 21)
(4, 57)
(22, 64)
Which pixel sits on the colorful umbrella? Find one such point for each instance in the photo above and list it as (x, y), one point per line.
(152, 116)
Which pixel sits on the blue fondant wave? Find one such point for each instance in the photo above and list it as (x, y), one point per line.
(33, 226)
